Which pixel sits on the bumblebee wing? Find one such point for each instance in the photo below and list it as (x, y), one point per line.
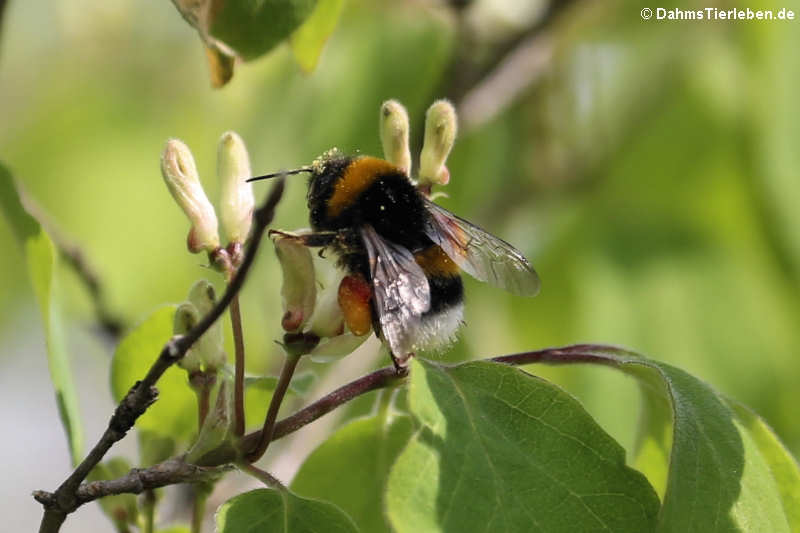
(400, 287)
(481, 254)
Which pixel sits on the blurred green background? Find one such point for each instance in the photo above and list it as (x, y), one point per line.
(647, 168)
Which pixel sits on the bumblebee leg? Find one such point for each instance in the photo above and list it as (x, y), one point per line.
(319, 239)
(401, 363)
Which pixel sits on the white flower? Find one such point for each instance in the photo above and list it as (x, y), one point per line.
(299, 288)
(313, 318)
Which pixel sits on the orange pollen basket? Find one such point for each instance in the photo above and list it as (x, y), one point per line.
(354, 301)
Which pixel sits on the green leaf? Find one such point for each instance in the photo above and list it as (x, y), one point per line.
(252, 28)
(174, 415)
(41, 257)
(706, 458)
(274, 511)
(651, 454)
(782, 467)
(727, 471)
(511, 452)
(308, 40)
(350, 469)
(120, 508)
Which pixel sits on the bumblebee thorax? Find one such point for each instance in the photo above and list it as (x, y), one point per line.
(337, 183)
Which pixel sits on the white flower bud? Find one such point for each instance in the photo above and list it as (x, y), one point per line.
(394, 134)
(299, 289)
(236, 200)
(440, 134)
(183, 182)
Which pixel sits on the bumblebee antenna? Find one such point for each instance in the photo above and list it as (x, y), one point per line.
(282, 173)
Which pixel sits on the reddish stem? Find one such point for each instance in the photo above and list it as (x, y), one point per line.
(238, 381)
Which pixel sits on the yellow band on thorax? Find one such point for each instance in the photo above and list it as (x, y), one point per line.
(358, 176)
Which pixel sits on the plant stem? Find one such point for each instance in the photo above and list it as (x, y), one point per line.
(238, 381)
(149, 511)
(376, 380)
(202, 383)
(289, 364)
(265, 477)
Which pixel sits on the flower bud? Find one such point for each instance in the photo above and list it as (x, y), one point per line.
(299, 289)
(183, 182)
(440, 134)
(210, 345)
(394, 134)
(186, 316)
(236, 200)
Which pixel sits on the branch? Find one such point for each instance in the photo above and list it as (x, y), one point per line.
(138, 480)
(216, 462)
(376, 380)
(388, 376)
(144, 393)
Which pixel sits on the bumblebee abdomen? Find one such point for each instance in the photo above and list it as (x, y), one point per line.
(439, 324)
(437, 327)
(444, 281)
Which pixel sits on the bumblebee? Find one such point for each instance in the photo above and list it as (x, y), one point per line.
(403, 253)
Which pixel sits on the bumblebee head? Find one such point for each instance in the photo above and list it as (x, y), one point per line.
(324, 172)
(326, 167)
